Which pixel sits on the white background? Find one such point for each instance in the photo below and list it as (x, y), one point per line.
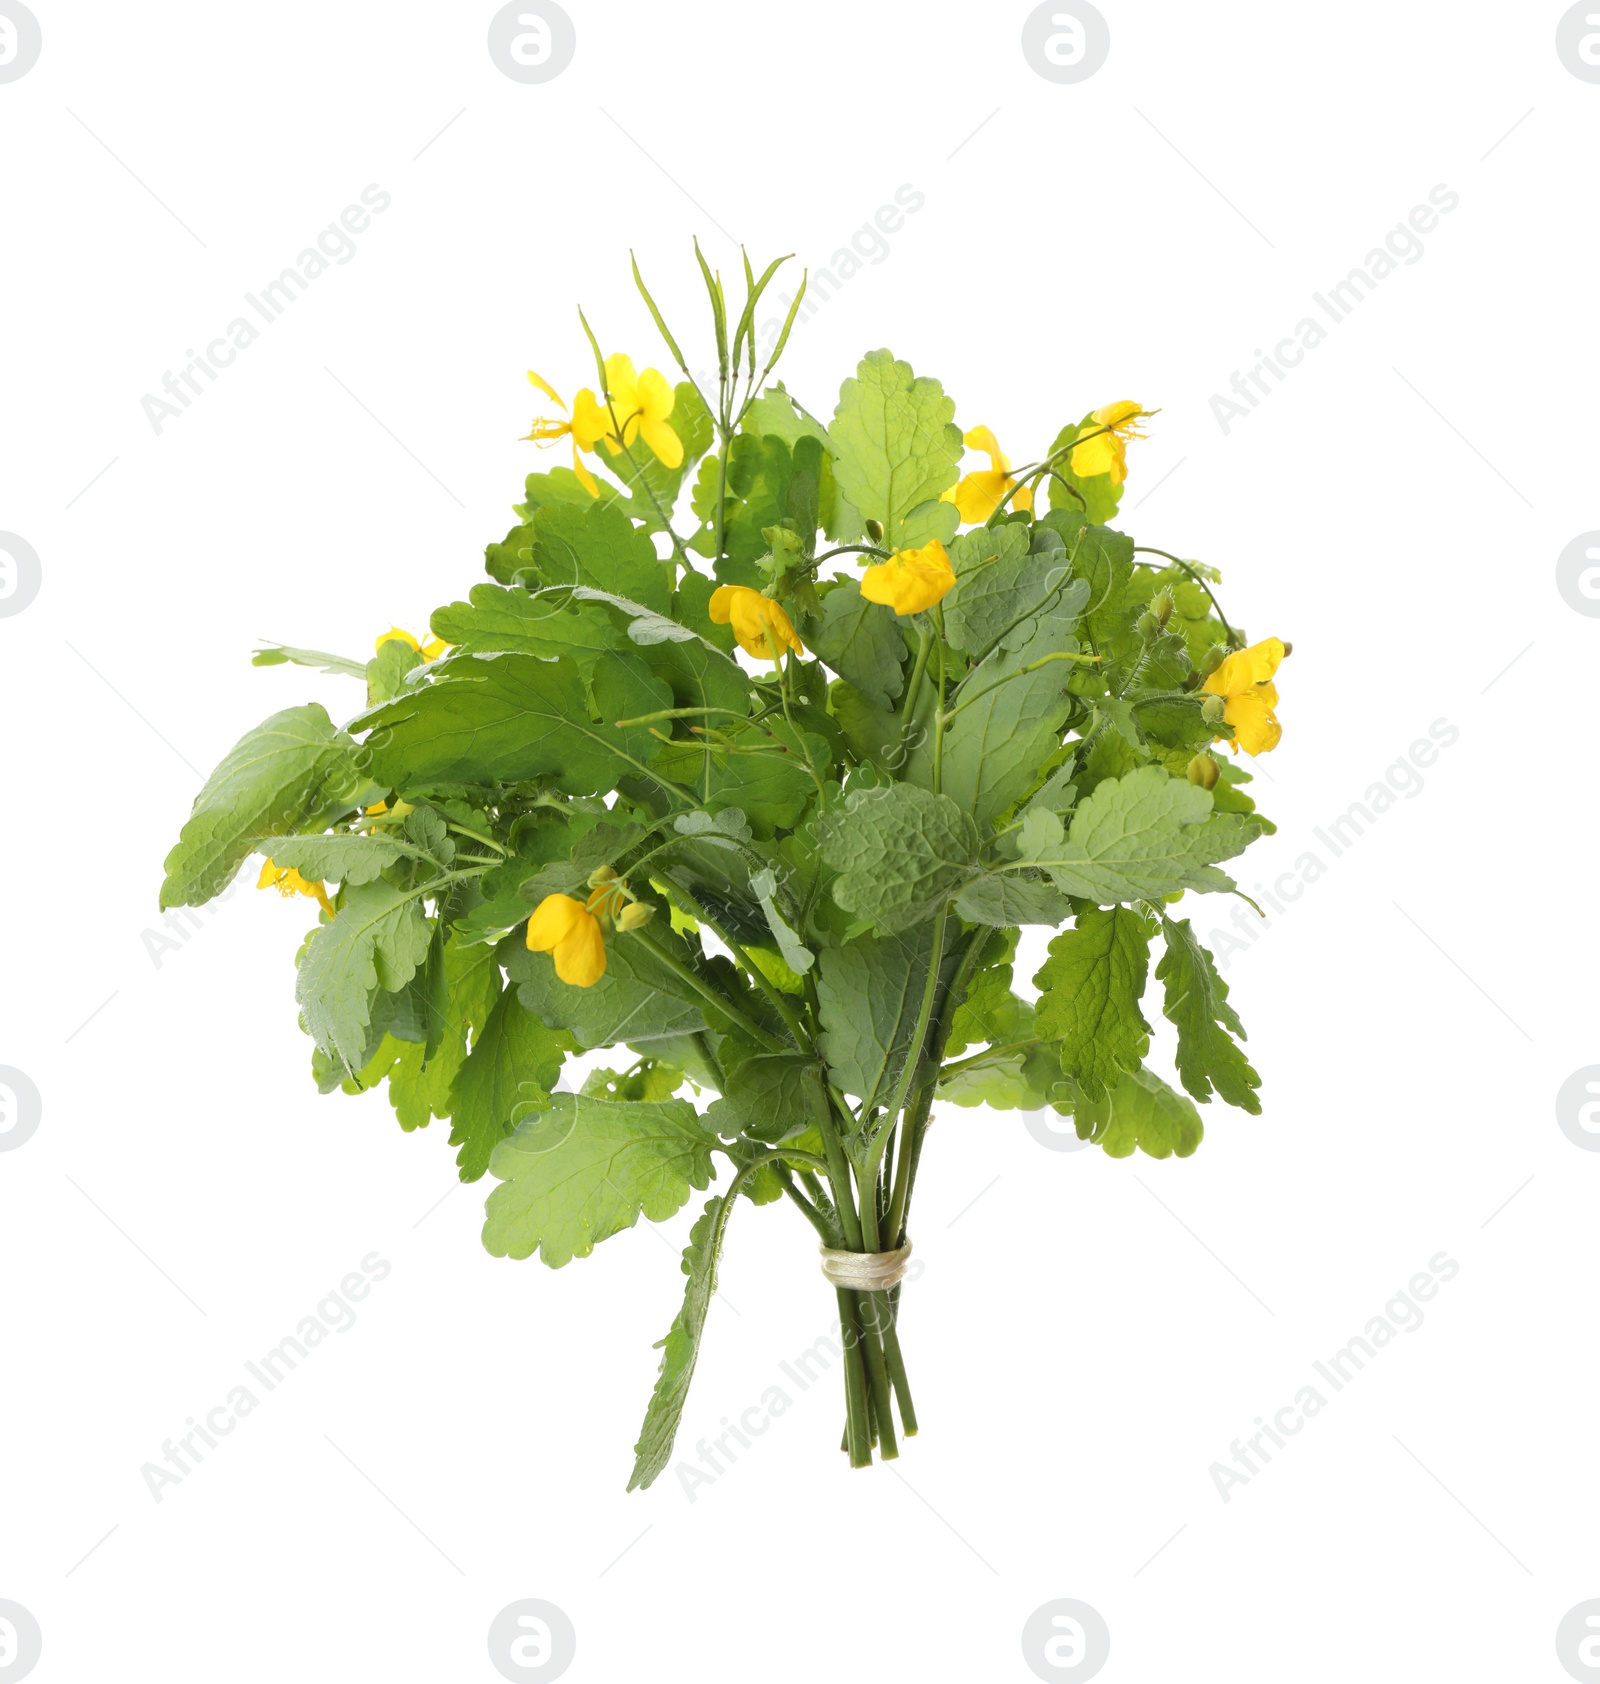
(1089, 1336)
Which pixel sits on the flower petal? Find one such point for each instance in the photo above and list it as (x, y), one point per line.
(980, 438)
(1246, 667)
(1255, 727)
(395, 635)
(910, 580)
(545, 387)
(553, 920)
(664, 443)
(580, 956)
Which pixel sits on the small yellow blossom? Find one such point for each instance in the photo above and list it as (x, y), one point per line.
(759, 623)
(571, 934)
(979, 494)
(429, 651)
(910, 580)
(1244, 680)
(641, 403)
(287, 881)
(1107, 452)
(587, 427)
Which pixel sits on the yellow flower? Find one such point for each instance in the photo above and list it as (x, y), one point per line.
(759, 623)
(979, 494)
(587, 427)
(1245, 681)
(287, 881)
(642, 403)
(429, 651)
(1106, 452)
(567, 930)
(910, 580)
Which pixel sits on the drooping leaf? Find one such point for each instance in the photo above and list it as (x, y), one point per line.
(1090, 988)
(680, 1350)
(514, 1063)
(586, 1169)
(1142, 1111)
(290, 773)
(378, 939)
(1196, 1000)
(1003, 899)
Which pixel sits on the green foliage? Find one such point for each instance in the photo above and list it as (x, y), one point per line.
(896, 450)
(1197, 1002)
(680, 1350)
(1089, 993)
(293, 772)
(807, 878)
(586, 1168)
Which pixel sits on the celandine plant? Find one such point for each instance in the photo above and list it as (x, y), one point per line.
(763, 791)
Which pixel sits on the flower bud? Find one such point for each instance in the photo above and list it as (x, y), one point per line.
(874, 531)
(602, 874)
(1288, 648)
(1203, 771)
(1213, 710)
(631, 917)
(1162, 605)
(1212, 659)
(1149, 627)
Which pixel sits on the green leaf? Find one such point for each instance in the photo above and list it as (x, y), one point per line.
(680, 1349)
(1145, 835)
(386, 671)
(377, 939)
(587, 1168)
(991, 1015)
(292, 772)
(419, 1083)
(638, 1000)
(1196, 1000)
(797, 957)
(347, 859)
(600, 547)
(994, 747)
(772, 789)
(500, 619)
(869, 994)
(482, 718)
(1004, 595)
(898, 850)
(1090, 988)
(1005, 898)
(277, 654)
(895, 447)
(1143, 1112)
(860, 640)
(514, 1063)
(765, 1098)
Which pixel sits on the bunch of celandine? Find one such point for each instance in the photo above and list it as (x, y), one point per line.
(764, 789)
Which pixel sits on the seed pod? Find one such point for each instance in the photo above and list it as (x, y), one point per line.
(1203, 771)
(1213, 710)
(874, 531)
(633, 916)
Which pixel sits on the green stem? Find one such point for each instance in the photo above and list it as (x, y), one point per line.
(706, 991)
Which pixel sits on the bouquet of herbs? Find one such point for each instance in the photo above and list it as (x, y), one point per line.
(766, 737)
